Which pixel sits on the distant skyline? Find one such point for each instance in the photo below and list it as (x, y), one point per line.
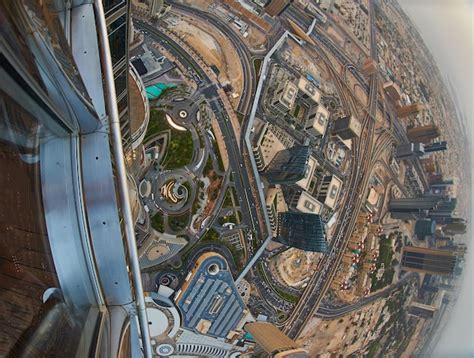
(447, 28)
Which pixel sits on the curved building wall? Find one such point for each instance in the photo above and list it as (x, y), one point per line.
(139, 107)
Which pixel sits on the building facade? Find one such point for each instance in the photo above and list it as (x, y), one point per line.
(432, 261)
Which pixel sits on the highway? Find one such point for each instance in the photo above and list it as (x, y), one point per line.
(353, 201)
(249, 76)
(332, 313)
(242, 182)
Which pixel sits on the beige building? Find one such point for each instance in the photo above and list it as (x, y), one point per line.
(309, 90)
(305, 183)
(406, 111)
(285, 96)
(305, 203)
(272, 340)
(330, 190)
(317, 121)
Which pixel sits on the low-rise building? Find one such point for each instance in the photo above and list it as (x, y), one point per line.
(209, 301)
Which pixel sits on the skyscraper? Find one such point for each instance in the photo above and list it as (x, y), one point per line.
(421, 310)
(347, 127)
(410, 150)
(423, 134)
(436, 147)
(302, 230)
(289, 165)
(413, 208)
(408, 110)
(425, 228)
(424, 260)
(455, 228)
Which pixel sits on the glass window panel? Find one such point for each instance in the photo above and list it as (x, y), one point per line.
(121, 83)
(118, 42)
(27, 266)
(110, 4)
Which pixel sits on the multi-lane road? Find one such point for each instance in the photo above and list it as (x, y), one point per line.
(332, 313)
(209, 90)
(353, 201)
(357, 182)
(249, 76)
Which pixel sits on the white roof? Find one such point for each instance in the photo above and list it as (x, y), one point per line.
(308, 204)
(333, 192)
(318, 124)
(306, 181)
(310, 89)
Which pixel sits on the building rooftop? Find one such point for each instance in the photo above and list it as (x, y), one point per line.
(308, 204)
(305, 183)
(209, 301)
(303, 231)
(309, 89)
(317, 121)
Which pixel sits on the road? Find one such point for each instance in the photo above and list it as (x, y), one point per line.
(249, 76)
(209, 90)
(332, 313)
(353, 200)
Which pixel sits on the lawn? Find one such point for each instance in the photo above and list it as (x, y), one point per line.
(227, 199)
(180, 146)
(257, 63)
(178, 223)
(385, 258)
(157, 222)
(284, 295)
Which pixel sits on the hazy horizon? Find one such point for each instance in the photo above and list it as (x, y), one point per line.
(447, 28)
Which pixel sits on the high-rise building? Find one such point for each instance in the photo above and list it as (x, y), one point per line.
(329, 190)
(436, 147)
(285, 96)
(458, 228)
(423, 134)
(308, 91)
(413, 208)
(317, 121)
(289, 165)
(273, 341)
(347, 127)
(370, 67)
(410, 151)
(392, 90)
(425, 228)
(441, 185)
(68, 248)
(424, 260)
(421, 310)
(276, 7)
(408, 110)
(302, 230)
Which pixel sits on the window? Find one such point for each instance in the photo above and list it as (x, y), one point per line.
(111, 4)
(118, 39)
(121, 83)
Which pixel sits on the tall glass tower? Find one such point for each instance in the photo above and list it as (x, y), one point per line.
(70, 280)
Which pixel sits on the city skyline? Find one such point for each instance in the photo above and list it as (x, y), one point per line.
(264, 178)
(455, 59)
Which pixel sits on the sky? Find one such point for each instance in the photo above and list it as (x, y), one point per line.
(447, 27)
